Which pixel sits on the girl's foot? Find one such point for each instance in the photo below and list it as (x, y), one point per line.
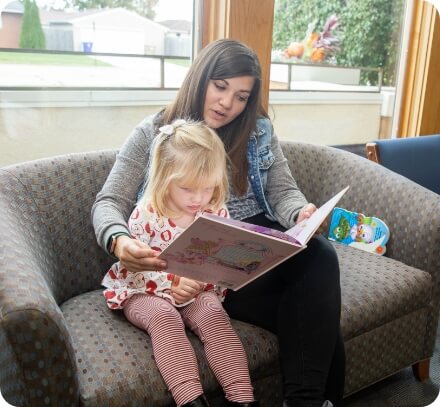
(200, 401)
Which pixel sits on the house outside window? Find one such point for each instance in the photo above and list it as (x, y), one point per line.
(94, 48)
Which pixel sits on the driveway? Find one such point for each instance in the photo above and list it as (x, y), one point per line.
(123, 72)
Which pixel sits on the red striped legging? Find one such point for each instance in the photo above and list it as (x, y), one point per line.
(174, 354)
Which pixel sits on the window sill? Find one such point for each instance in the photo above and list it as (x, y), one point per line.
(83, 98)
(90, 98)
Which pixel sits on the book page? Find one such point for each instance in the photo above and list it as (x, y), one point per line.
(254, 228)
(216, 251)
(304, 230)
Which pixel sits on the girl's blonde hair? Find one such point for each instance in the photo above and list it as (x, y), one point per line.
(192, 154)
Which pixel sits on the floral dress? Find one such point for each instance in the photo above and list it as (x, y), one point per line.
(158, 232)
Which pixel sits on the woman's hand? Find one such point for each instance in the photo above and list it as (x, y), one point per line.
(305, 212)
(184, 289)
(136, 256)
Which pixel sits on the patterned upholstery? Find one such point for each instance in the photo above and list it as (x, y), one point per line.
(61, 346)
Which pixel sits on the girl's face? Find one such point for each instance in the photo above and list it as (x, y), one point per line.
(226, 99)
(188, 200)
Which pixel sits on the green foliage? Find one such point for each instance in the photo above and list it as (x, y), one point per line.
(293, 16)
(369, 30)
(144, 8)
(32, 35)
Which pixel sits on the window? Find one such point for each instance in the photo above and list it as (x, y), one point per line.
(338, 63)
(78, 46)
(84, 78)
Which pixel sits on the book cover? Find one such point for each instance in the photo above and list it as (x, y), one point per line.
(232, 253)
(354, 229)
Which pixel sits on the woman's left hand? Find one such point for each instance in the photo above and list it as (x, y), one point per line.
(305, 212)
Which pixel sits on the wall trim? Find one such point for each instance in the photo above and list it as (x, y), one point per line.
(95, 98)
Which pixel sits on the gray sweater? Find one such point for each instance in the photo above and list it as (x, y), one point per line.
(118, 196)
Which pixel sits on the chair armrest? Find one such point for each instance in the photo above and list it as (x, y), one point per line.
(38, 360)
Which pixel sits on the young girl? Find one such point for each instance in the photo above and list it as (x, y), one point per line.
(187, 177)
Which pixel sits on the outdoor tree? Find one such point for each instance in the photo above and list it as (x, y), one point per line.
(368, 30)
(144, 8)
(32, 35)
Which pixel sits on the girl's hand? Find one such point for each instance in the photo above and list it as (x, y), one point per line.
(136, 256)
(184, 289)
(305, 212)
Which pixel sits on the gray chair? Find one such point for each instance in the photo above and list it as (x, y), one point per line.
(61, 346)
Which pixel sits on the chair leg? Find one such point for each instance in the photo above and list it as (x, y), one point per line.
(421, 370)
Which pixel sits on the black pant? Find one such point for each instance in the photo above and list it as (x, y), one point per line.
(300, 301)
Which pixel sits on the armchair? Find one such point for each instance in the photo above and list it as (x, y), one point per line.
(413, 157)
(61, 346)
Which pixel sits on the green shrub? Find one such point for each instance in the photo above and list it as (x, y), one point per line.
(369, 30)
(32, 35)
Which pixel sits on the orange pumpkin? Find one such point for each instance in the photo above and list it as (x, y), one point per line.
(295, 49)
(317, 55)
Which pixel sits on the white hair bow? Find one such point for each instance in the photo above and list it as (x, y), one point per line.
(169, 129)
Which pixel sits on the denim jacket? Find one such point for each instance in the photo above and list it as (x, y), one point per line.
(260, 158)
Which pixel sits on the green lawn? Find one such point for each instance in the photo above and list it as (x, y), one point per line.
(60, 59)
(49, 59)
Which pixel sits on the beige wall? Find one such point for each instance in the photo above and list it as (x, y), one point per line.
(327, 124)
(30, 133)
(26, 134)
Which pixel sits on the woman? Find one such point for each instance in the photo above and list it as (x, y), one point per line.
(299, 300)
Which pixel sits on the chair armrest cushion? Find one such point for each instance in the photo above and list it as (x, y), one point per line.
(36, 346)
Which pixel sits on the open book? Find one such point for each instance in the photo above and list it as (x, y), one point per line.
(232, 253)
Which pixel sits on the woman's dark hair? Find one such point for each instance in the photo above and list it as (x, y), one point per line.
(222, 59)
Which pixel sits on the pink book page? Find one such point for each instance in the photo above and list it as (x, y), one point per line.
(254, 228)
(215, 251)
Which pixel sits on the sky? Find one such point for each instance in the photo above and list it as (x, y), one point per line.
(165, 9)
(174, 10)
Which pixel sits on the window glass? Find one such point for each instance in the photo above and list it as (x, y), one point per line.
(347, 53)
(95, 44)
(356, 42)
(79, 75)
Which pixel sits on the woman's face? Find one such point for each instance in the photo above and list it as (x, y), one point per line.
(226, 99)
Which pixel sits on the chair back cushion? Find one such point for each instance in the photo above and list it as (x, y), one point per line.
(416, 158)
(50, 201)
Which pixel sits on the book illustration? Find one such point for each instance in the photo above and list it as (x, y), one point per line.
(354, 229)
(231, 253)
(243, 255)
